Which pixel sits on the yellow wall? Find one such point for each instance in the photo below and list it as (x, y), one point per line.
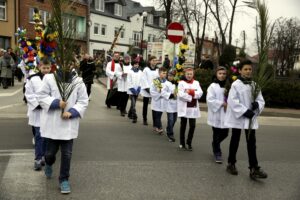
(7, 27)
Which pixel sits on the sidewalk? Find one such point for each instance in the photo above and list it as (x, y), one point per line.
(271, 112)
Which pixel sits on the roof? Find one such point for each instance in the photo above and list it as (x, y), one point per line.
(122, 2)
(134, 8)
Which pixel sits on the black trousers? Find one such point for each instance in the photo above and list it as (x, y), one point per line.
(123, 100)
(251, 147)
(183, 123)
(88, 88)
(219, 134)
(66, 147)
(145, 107)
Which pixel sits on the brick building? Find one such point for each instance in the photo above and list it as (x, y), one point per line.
(77, 19)
(8, 23)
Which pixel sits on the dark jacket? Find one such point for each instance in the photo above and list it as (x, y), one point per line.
(87, 68)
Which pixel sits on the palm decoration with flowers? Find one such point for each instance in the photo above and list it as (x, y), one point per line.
(60, 43)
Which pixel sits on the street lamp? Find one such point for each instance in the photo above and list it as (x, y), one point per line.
(144, 16)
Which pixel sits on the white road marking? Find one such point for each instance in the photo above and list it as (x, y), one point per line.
(11, 94)
(11, 106)
(20, 181)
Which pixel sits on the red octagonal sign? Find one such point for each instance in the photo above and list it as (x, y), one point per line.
(175, 32)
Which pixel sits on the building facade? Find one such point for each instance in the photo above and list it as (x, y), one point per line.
(106, 18)
(76, 18)
(8, 23)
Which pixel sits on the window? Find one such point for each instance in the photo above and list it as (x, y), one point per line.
(151, 38)
(150, 19)
(136, 36)
(99, 5)
(96, 29)
(4, 42)
(122, 34)
(2, 10)
(209, 51)
(118, 10)
(45, 16)
(103, 29)
(161, 22)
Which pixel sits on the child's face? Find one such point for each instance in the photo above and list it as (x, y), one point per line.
(136, 65)
(221, 75)
(162, 75)
(246, 71)
(45, 69)
(189, 75)
(153, 62)
(170, 77)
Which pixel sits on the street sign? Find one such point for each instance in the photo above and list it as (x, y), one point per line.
(175, 32)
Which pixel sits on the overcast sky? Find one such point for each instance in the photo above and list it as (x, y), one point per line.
(242, 21)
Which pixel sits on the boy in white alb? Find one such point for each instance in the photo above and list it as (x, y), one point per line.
(169, 92)
(189, 92)
(59, 128)
(241, 108)
(122, 71)
(158, 103)
(134, 88)
(149, 74)
(33, 84)
(216, 100)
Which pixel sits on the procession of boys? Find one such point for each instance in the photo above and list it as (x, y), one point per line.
(58, 91)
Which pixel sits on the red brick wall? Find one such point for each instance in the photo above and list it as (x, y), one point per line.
(25, 5)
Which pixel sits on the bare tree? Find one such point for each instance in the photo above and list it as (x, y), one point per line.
(285, 44)
(167, 5)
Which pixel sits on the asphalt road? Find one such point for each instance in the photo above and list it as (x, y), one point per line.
(115, 159)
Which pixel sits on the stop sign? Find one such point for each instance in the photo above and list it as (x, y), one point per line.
(175, 32)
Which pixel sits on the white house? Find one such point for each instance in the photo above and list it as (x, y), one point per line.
(107, 16)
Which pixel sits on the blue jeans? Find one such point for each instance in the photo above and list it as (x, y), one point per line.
(40, 144)
(172, 118)
(66, 147)
(157, 119)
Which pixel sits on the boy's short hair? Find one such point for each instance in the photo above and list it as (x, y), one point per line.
(162, 69)
(244, 62)
(220, 68)
(45, 61)
(152, 58)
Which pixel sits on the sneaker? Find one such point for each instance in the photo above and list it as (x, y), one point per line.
(65, 187)
(189, 148)
(231, 169)
(182, 147)
(171, 138)
(134, 121)
(218, 158)
(48, 171)
(257, 173)
(145, 123)
(38, 165)
(122, 114)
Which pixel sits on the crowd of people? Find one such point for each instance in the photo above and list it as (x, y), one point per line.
(228, 108)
